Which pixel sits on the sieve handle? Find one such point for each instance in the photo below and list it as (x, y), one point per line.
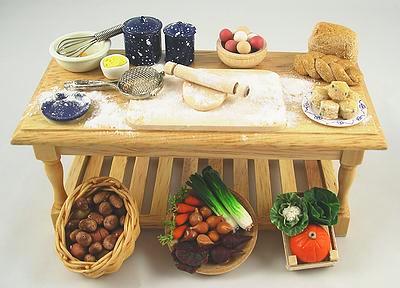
(84, 85)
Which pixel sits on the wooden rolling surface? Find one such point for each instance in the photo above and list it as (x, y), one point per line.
(84, 167)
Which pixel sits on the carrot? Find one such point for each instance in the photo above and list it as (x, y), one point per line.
(191, 200)
(178, 231)
(181, 219)
(184, 208)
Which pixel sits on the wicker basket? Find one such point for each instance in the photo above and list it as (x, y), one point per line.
(125, 245)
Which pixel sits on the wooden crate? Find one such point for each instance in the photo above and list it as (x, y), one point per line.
(150, 180)
(288, 180)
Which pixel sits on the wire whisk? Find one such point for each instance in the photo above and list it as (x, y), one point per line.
(75, 46)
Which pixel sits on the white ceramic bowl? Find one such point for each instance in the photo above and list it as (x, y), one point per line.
(113, 73)
(84, 63)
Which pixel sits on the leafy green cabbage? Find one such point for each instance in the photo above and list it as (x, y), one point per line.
(289, 214)
(323, 206)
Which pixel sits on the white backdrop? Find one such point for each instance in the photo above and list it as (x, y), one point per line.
(369, 254)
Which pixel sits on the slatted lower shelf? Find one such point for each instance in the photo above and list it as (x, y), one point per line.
(150, 180)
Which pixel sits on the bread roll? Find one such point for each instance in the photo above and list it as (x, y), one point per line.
(329, 109)
(334, 39)
(319, 93)
(348, 109)
(338, 90)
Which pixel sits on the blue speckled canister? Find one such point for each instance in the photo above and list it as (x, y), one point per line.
(142, 40)
(179, 43)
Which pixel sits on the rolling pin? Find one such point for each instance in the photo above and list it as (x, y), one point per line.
(206, 79)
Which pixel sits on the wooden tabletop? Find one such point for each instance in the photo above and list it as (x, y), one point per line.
(306, 136)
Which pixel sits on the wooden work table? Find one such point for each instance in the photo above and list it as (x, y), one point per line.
(313, 144)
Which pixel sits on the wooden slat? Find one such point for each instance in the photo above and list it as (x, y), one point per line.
(288, 178)
(118, 167)
(76, 171)
(190, 166)
(217, 165)
(241, 177)
(161, 186)
(329, 175)
(94, 166)
(138, 180)
(263, 187)
(313, 173)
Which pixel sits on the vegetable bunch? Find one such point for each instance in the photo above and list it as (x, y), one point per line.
(291, 213)
(213, 191)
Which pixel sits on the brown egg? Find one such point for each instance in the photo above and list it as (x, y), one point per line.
(243, 47)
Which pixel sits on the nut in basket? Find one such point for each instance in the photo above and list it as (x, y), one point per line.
(97, 227)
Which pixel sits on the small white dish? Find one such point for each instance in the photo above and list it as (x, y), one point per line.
(313, 115)
(113, 73)
(82, 63)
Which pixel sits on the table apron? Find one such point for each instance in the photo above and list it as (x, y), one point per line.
(217, 152)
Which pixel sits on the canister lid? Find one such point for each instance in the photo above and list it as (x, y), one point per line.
(180, 29)
(142, 25)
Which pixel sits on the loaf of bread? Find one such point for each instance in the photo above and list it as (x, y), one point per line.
(334, 39)
(328, 67)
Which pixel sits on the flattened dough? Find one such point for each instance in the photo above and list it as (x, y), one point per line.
(202, 98)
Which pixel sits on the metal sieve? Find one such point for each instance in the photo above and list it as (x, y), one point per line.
(137, 83)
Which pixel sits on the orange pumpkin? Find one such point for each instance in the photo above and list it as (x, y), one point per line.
(312, 245)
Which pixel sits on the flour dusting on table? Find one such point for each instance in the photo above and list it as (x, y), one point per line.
(263, 107)
(270, 102)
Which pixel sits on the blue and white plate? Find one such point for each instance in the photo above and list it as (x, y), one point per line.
(314, 115)
(65, 106)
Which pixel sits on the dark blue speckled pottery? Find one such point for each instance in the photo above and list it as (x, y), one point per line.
(142, 40)
(65, 107)
(179, 43)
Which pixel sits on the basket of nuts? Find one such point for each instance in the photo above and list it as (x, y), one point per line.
(97, 227)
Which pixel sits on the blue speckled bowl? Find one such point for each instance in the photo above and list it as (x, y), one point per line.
(142, 37)
(66, 106)
(179, 42)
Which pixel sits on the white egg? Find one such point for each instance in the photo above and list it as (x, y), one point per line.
(240, 36)
(251, 35)
(243, 28)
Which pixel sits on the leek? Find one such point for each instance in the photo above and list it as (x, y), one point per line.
(200, 187)
(228, 200)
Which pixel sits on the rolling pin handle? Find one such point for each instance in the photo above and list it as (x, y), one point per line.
(169, 68)
(241, 90)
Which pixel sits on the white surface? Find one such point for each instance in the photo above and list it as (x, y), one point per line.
(369, 254)
(263, 108)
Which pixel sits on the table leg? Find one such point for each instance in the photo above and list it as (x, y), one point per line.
(54, 171)
(347, 172)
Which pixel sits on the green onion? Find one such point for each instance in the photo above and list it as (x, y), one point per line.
(235, 209)
(200, 187)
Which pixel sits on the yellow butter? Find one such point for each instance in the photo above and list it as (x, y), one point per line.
(114, 61)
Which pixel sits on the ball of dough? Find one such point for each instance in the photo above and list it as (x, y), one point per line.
(243, 47)
(338, 90)
(240, 36)
(201, 98)
(244, 29)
